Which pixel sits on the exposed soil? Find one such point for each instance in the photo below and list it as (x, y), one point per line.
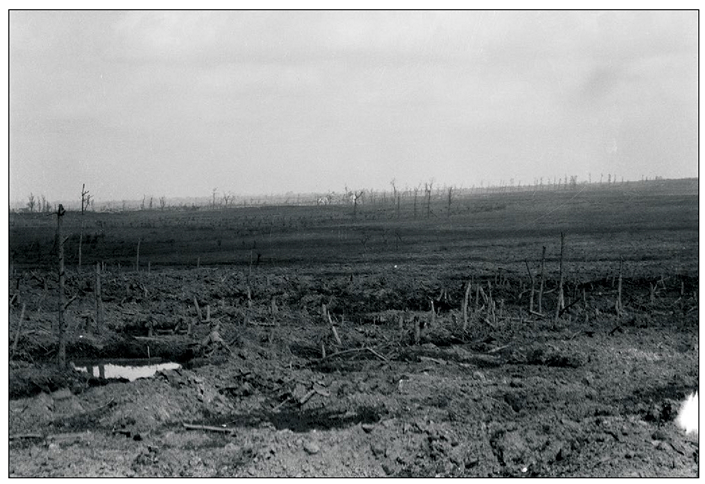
(593, 394)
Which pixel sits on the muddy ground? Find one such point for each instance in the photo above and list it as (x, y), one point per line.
(404, 392)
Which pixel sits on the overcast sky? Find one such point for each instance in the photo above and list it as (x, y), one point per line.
(179, 103)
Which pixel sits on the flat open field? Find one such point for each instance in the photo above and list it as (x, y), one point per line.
(268, 388)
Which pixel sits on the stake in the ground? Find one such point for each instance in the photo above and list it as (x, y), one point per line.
(61, 355)
(618, 304)
(543, 262)
(334, 330)
(98, 301)
(560, 304)
(531, 278)
(465, 306)
(18, 333)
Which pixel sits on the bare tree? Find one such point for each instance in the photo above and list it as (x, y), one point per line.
(429, 188)
(356, 196)
(31, 202)
(85, 200)
(416, 195)
(214, 192)
(450, 198)
(162, 202)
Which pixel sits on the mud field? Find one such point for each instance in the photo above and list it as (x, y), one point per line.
(311, 356)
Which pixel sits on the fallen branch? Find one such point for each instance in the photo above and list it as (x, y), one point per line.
(281, 404)
(434, 360)
(102, 406)
(68, 303)
(376, 354)
(494, 350)
(252, 323)
(575, 334)
(355, 350)
(570, 305)
(208, 428)
(307, 397)
(26, 436)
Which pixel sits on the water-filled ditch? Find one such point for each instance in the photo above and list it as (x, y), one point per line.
(130, 369)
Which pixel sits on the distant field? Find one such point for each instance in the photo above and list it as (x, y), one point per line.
(654, 224)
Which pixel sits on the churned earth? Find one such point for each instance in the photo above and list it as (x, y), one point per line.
(397, 392)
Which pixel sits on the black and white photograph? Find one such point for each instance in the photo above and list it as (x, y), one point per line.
(352, 242)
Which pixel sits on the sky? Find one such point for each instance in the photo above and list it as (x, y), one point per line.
(179, 103)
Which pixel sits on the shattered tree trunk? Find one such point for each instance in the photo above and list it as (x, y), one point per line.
(560, 304)
(465, 306)
(531, 277)
(98, 301)
(61, 355)
(618, 305)
(543, 262)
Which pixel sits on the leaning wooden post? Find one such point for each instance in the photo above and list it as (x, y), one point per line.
(61, 355)
(543, 262)
(531, 277)
(326, 314)
(98, 301)
(18, 333)
(465, 307)
(198, 309)
(618, 305)
(560, 304)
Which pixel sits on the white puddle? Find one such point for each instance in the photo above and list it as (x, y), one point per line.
(130, 372)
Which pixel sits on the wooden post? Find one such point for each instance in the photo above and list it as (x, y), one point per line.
(61, 355)
(652, 293)
(250, 271)
(432, 322)
(543, 263)
(137, 260)
(17, 334)
(618, 305)
(450, 195)
(84, 204)
(465, 306)
(416, 195)
(326, 314)
(560, 304)
(98, 301)
(531, 277)
(198, 309)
